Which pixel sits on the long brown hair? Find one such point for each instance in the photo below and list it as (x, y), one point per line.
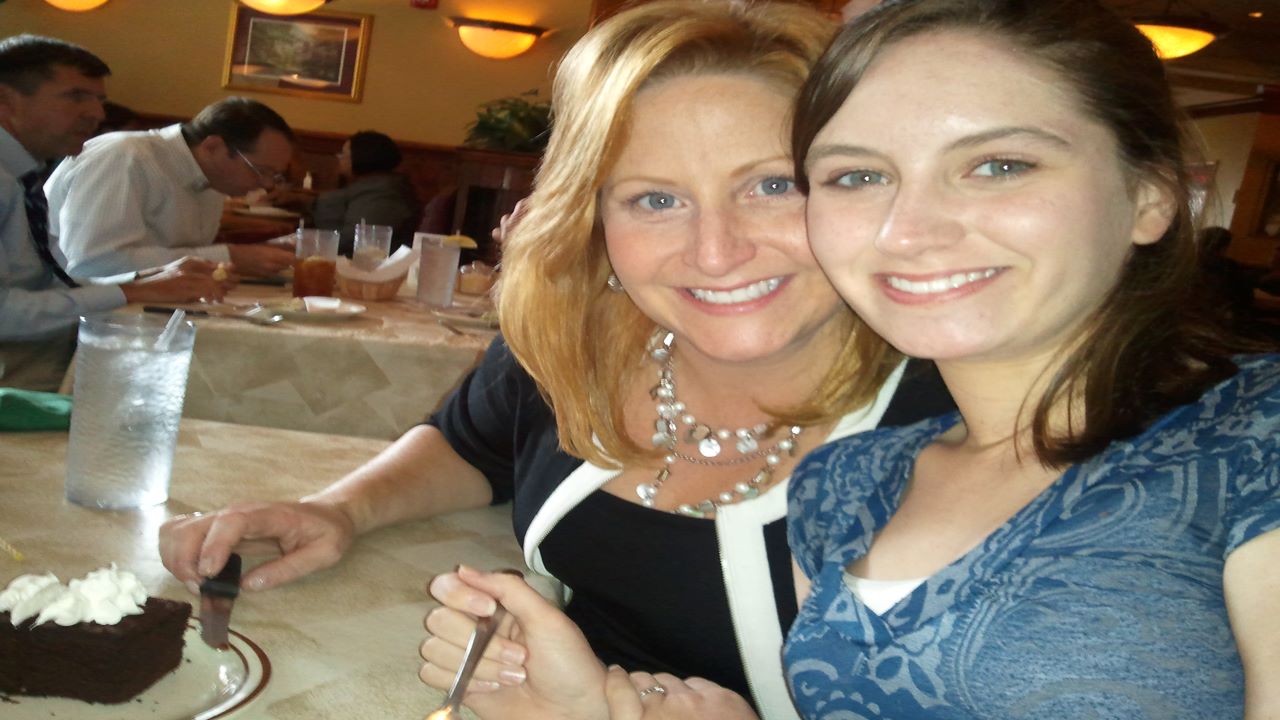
(1151, 346)
(580, 342)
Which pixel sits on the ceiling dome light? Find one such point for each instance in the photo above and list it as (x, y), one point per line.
(284, 7)
(1176, 36)
(76, 5)
(496, 39)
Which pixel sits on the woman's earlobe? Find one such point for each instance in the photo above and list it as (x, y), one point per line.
(1155, 210)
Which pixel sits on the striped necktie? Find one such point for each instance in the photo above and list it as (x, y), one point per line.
(38, 222)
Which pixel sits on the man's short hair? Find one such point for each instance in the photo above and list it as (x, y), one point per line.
(28, 61)
(238, 121)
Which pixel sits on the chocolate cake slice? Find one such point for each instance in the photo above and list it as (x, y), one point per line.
(92, 662)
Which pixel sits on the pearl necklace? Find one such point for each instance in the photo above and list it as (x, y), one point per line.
(747, 441)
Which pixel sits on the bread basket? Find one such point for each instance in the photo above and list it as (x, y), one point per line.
(365, 290)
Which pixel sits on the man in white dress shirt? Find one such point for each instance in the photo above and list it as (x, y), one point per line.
(137, 199)
(51, 95)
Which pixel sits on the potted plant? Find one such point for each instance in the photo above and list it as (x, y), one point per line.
(511, 124)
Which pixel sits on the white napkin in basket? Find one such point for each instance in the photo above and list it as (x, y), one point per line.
(392, 268)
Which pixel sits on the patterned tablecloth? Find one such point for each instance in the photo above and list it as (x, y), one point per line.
(372, 375)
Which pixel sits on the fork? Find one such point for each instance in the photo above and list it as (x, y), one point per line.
(451, 708)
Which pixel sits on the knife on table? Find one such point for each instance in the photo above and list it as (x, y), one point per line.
(194, 313)
(217, 594)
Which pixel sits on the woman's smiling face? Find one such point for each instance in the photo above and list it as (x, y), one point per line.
(704, 224)
(967, 206)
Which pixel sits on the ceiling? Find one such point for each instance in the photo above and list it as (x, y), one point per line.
(1234, 65)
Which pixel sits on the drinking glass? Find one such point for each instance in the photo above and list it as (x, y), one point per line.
(315, 262)
(437, 269)
(127, 402)
(372, 246)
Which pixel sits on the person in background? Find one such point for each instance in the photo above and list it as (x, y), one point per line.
(51, 95)
(118, 118)
(660, 293)
(375, 193)
(136, 199)
(1000, 185)
(1231, 283)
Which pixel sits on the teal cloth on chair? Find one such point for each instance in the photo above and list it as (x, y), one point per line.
(28, 410)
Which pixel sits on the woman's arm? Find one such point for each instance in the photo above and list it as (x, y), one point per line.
(419, 476)
(1252, 588)
(416, 477)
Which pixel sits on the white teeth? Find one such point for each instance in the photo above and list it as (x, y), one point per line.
(751, 292)
(939, 285)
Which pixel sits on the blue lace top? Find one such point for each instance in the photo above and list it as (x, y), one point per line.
(1102, 598)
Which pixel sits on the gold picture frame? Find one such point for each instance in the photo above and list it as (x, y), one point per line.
(317, 55)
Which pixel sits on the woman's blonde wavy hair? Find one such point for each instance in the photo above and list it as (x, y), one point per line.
(580, 342)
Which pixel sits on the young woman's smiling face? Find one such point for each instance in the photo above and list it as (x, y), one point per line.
(704, 224)
(967, 207)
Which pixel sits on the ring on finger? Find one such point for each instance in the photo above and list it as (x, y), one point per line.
(652, 690)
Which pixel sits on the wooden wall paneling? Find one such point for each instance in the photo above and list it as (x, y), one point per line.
(1259, 195)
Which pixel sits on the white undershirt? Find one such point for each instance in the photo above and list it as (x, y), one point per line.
(880, 595)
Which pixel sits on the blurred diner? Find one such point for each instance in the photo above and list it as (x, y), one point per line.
(167, 188)
(374, 192)
(51, 95)
(670, 350)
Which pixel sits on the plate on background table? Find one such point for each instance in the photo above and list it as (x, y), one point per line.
(481, 316)
(266, 211)
(207, 684)
(316, 309)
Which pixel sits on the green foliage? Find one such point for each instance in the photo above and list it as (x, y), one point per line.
(512, 124)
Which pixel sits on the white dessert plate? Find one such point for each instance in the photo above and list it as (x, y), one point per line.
(265, 211)
(468, 317)
(207, 684)
(311, 310)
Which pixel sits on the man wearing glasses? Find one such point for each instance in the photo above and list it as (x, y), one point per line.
(133, 200)
(51, 95)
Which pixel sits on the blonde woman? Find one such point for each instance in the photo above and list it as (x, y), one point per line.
(660, 294)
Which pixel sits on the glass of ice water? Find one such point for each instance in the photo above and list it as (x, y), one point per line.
(437, 269)
(128, 395)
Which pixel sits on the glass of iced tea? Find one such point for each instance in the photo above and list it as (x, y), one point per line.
(316, 262)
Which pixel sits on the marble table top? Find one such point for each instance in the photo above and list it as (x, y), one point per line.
(342, 643)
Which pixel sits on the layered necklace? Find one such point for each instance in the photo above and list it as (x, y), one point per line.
(676, 425)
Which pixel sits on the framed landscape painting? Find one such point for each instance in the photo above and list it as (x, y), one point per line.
(319, 54)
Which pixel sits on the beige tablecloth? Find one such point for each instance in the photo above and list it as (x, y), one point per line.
(373, 375)
(341, 643)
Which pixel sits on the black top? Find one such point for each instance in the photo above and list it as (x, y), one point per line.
(647, 585)
(648, 591)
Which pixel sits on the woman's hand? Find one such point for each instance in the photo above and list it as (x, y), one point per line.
(308, 536)
(508, 221)
(641, 696)
(538, 665)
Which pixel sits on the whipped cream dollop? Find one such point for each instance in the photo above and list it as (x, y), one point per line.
(103, 596)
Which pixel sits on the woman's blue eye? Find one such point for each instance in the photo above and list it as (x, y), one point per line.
(655, 201)
(1001, 168)
(858, 178)
(776, 186)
